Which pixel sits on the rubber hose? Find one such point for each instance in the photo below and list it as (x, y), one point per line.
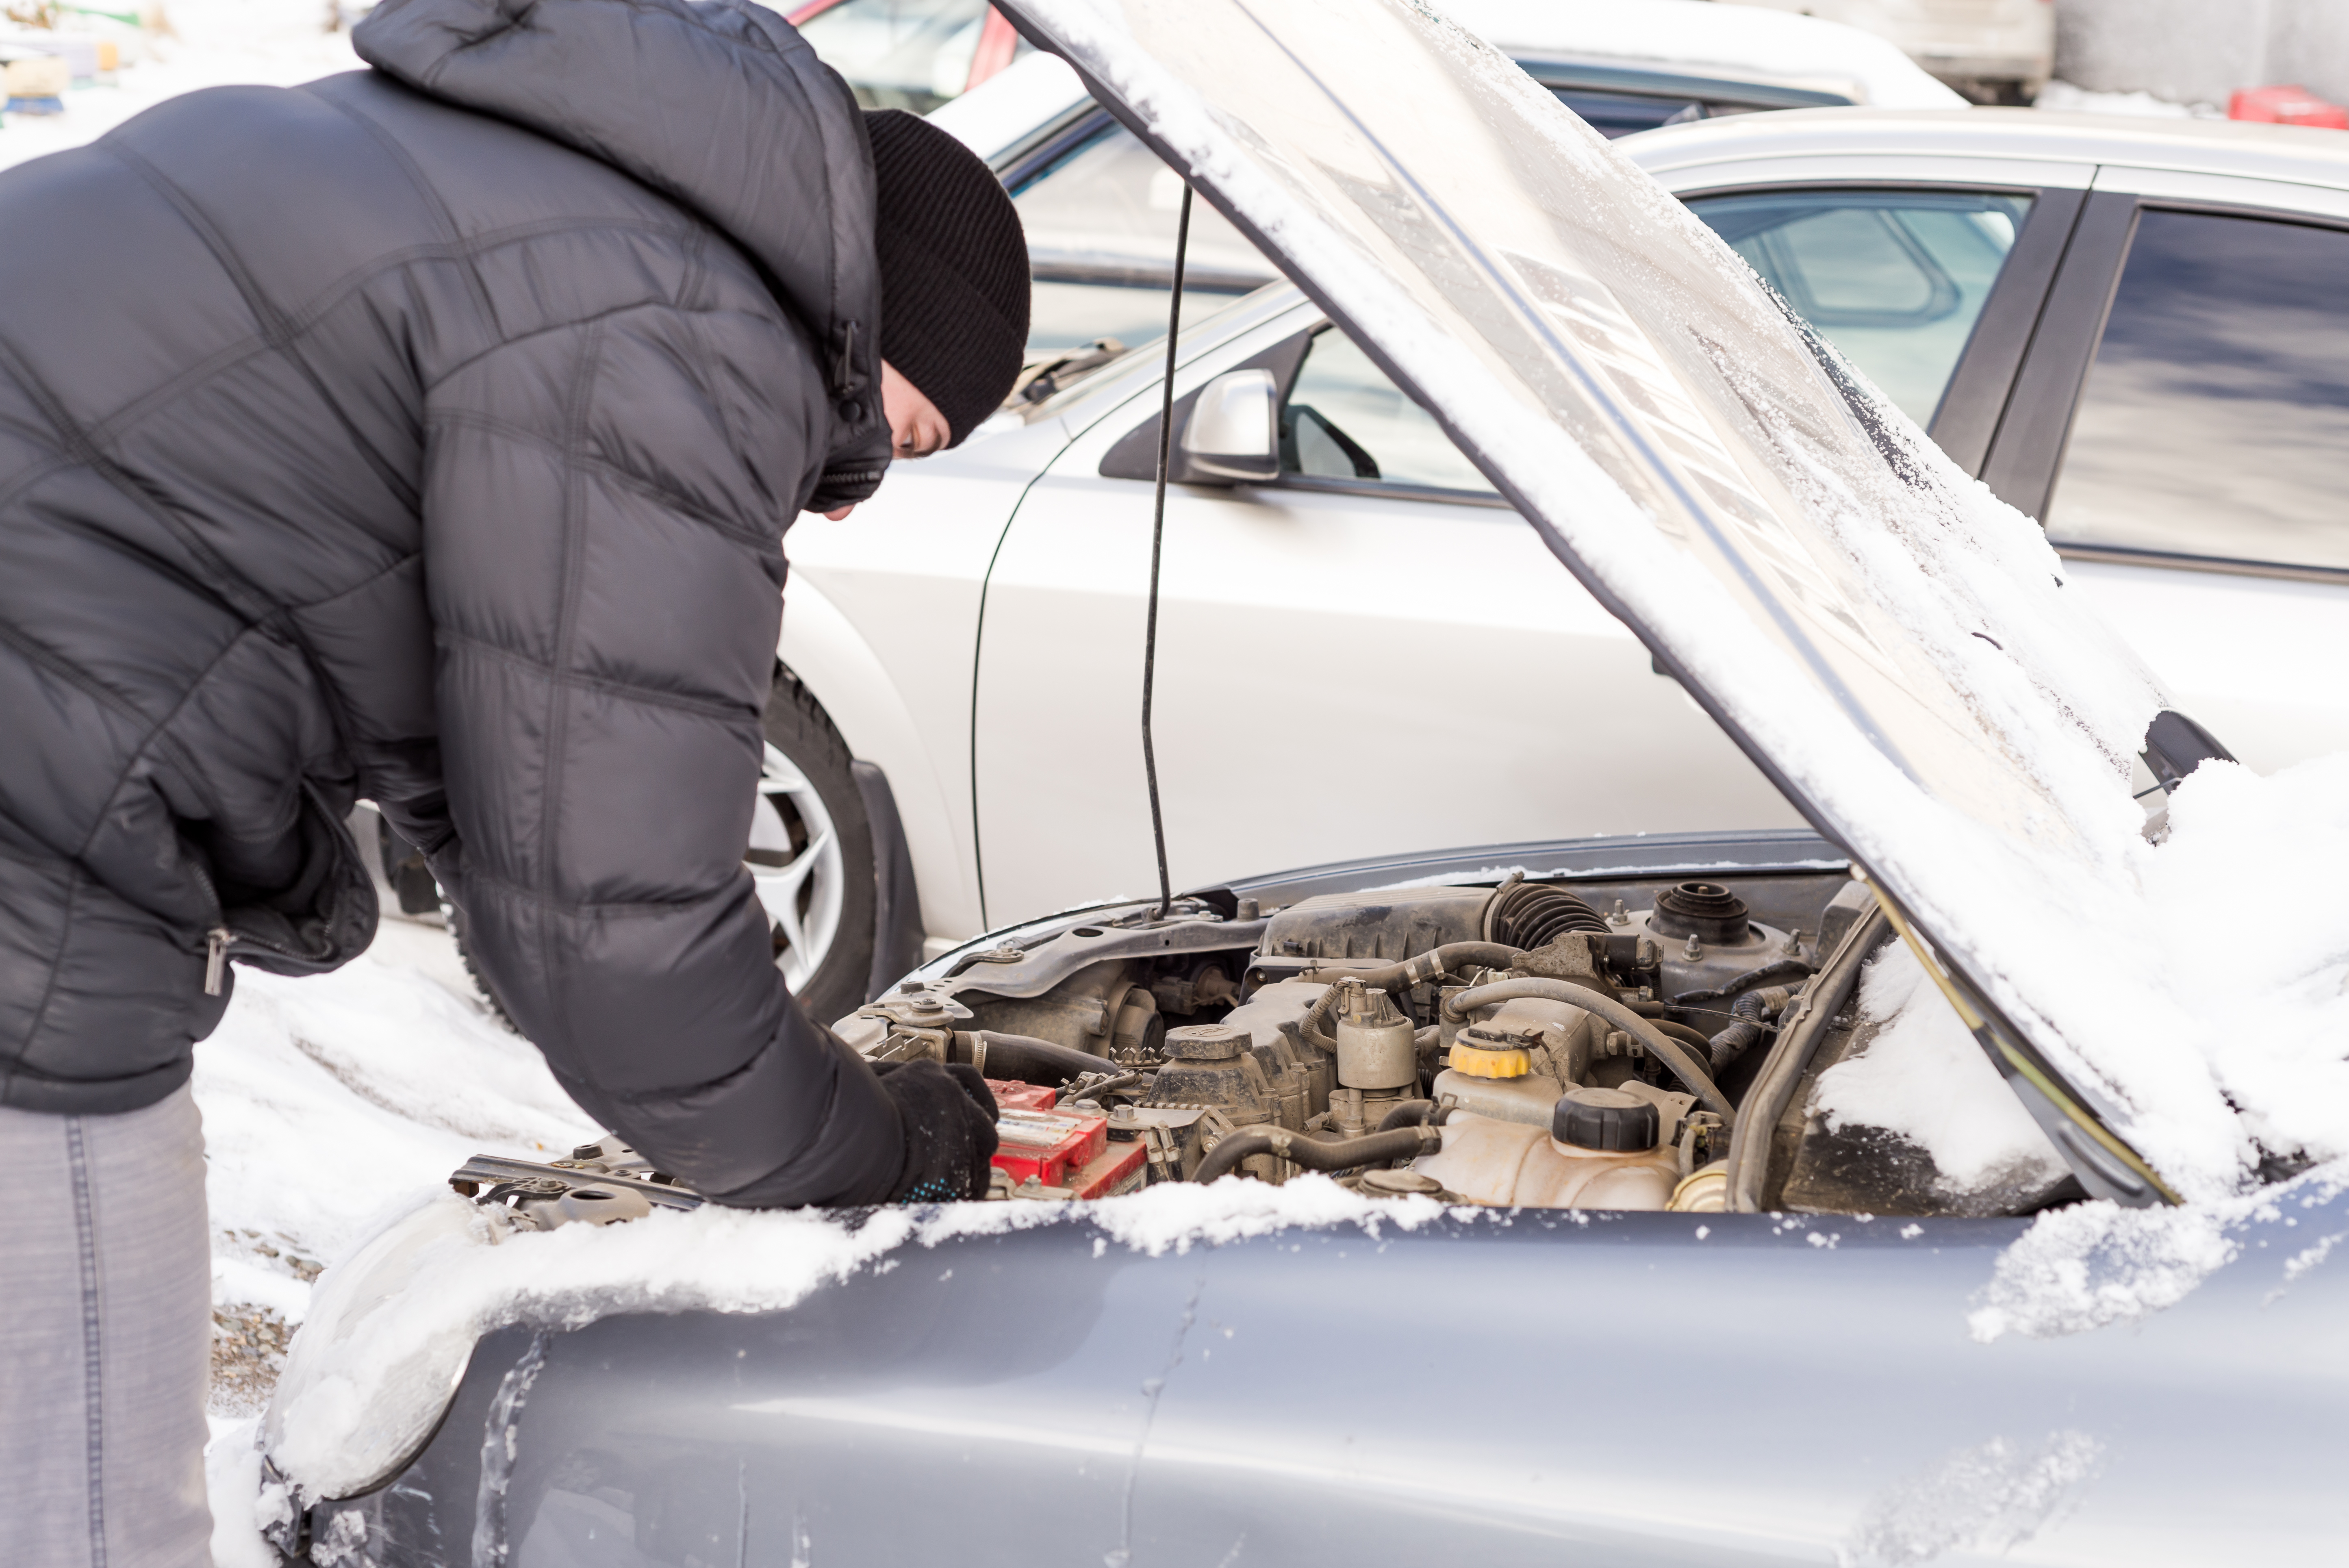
(1784, 969)
(1740, 1037)
(1313, 1154)
(1445, 959)
(1683, 1034)
(1028, 1060)
(1410, 1114)
(1670, 1052)
(1309, 1026)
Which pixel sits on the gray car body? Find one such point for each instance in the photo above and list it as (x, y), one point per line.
(1492, 1387)
(1502, 1387)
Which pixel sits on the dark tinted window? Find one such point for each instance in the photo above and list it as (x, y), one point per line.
(2216, 418)
(1893, 279)
(1613, 114)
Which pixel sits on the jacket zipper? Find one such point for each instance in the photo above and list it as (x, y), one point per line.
(216, 943)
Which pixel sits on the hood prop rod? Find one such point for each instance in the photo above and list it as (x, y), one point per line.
(1157, 540)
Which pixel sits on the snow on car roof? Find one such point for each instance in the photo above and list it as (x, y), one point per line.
(1892, 644)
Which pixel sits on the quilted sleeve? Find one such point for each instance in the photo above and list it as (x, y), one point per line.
(603, 518)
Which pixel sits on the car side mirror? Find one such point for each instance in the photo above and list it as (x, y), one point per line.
(1232, 436)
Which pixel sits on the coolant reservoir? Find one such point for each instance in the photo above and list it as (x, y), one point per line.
(1509, 1164)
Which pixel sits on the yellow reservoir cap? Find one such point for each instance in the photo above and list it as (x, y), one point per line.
(1478, 1062)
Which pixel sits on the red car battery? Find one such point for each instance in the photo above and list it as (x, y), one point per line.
(1066, 1149)
(1011, 1096)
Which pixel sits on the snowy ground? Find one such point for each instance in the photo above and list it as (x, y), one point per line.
(208, 43)
(328, 1102)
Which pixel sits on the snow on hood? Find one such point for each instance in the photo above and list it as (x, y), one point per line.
(1890, 643)
(460, 1272)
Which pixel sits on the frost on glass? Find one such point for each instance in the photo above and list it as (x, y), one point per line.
(1897, 646)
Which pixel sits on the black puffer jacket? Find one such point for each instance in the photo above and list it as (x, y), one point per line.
(428, 434)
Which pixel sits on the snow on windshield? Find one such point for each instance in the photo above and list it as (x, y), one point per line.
(1899, 644)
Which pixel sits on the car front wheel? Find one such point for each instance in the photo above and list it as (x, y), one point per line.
(810, 856)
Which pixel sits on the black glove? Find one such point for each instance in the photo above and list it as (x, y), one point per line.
(949, 1114)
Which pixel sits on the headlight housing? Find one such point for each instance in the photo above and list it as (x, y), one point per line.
(321, 1432)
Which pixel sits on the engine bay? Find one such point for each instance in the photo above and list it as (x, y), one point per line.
(1647, 1044)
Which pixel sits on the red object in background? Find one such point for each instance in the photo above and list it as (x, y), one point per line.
(2287, 106)
(997, 41)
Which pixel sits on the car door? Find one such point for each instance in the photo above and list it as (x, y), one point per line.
(1318, 631)
(2181, 427)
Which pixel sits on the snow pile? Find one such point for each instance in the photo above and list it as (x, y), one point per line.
(2063, 98)
(1992, 1498)
(203, 43)
(328, 1100)
(365, 1382)
(2091, 1264)
(1898, 641)
(1923, 1077)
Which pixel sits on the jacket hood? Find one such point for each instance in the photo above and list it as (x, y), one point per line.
(721, 105)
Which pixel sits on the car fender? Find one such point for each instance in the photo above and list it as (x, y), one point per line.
(831, 657)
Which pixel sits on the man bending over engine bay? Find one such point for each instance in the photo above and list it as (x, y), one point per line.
(428, 434)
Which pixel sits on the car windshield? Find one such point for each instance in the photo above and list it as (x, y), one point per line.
(1100, 225)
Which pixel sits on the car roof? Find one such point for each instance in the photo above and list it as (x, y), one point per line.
(1684, 45)
(2295, 154)
(1703, 38)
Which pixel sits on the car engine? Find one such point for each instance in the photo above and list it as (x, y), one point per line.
(1533, 1042)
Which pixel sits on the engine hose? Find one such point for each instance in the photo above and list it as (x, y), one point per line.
(1309, 1026)
(1733, 1042)
(1025, 1059)
(1415, 1113)
(1685, 1035)
(1446, 960)
(1313, 1154)
(1784, 969)
(1685, 1067)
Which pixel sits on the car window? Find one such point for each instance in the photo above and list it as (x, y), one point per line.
(2215, 420)
(1101, 246)
(1345, 420)
(908, 54)
(1892, 278)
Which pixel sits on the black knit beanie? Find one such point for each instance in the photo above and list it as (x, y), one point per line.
(954, 269)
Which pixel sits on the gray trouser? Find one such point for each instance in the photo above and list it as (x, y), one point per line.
(105, 1339)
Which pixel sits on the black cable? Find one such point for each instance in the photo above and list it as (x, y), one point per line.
(1157, 537)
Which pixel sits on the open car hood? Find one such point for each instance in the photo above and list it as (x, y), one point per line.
(1892, 646)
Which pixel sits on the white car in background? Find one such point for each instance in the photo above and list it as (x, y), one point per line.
(1363, 583)
(882, 800)
(1994, 51)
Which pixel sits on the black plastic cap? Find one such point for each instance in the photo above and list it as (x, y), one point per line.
(1705, 911)
(1606, 1119)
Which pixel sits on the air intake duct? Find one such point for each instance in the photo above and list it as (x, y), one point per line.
(1534, 914)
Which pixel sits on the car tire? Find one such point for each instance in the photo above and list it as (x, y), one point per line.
(811, 855)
